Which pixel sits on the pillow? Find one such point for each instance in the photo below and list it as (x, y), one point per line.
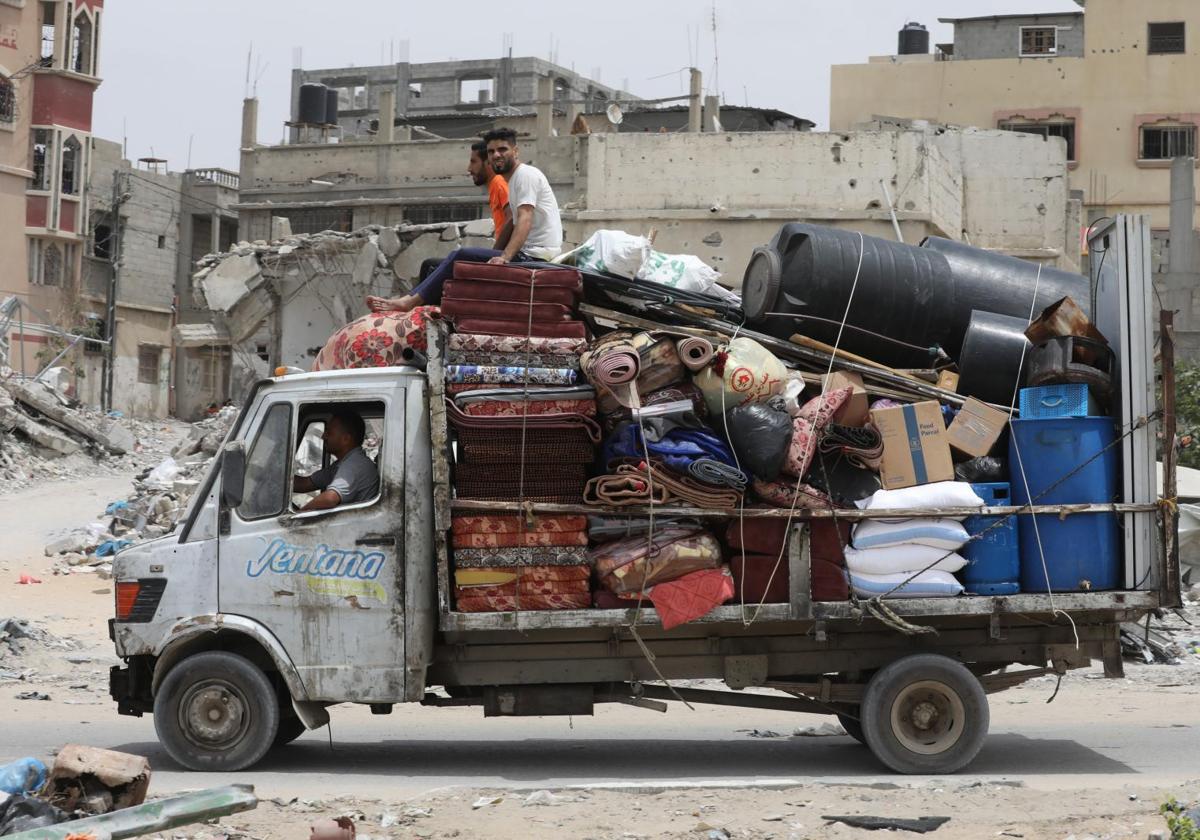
(902, 559)
(939, 533)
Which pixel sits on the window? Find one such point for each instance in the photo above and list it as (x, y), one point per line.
(42, 138)
(92, 327)
(318, 220)
(267, 486)
(8, 101)
(428, 214)
(1164, 142)
(476, 91)
(414, 90)
(1166, 38)
(71, 169)
(48, 33)
(311, 453)
(148, 356)
(45, 263)
(1064, 128)
(162, 242)
(352, 98)
(82, 45)
(102, 245)
(1039, 40)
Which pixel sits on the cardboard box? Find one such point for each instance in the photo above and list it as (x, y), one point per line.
(915, 446)
(857, 409)
(977, 428)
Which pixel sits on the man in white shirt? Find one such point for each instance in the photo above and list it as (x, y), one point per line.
(532, 234)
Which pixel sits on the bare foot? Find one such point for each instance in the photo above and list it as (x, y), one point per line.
(382, 304)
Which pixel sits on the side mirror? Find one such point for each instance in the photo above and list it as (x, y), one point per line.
(233, 473)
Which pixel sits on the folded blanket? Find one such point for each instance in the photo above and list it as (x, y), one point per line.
(461, 420)
(538, 313)
(481, 357)
(521, 329)
(808, 427)
(491, 558)
(678, 448)
(691, 596)
(506, 575)
(527, 540)
(716, 473)
(605, 528)
(622, 491)
(377, 339)
(507, 392)
(486, 374)
(512, 344)
(513, 603)
(519, 408)
(862, 446)
(553, 276)
(634, 564)
(509, 291)
(494, 524)
(786, 494)
(682, 488)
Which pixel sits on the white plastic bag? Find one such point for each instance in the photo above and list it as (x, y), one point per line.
(614, 252)
(939, 533)
(685, 272)
(741, 373)
(164, 474)
(939, 494)
(901, 559)
(925, 585)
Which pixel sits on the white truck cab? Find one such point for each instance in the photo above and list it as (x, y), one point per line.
(251, 616)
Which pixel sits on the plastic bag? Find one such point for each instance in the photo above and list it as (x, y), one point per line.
(614, 252)
(760, 435)
(686, 272)
(932, 584)
(164, 474)
(742, 373)
(987, 469)
(937, 533)
(19, 813)
(938, 495)
(901, 559)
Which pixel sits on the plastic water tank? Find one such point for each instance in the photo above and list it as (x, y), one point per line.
(994, 552)
(313, 98)
(331, 106)
(914, 39)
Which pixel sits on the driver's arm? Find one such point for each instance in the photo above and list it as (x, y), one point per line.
(325, 500)
(303, 484)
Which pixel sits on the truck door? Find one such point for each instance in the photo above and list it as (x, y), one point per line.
(329, 584)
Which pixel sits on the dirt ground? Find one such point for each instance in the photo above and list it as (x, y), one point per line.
(69, 662)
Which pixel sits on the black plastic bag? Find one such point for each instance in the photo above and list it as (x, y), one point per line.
(760, 434)
(989, 469)
(21, 813)
(839, 478)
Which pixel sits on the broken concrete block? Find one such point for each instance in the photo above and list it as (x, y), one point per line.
(97, 780)
(120, 436)
(46, 404)
(281, 228)
(229, 282)
(364, 266)
(70, 544)
(451, 234)
(484, 228)
(389, 243)
(42, 435)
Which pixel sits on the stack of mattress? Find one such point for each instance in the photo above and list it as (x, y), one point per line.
(487, 299)
(758, 556)
(505, 563)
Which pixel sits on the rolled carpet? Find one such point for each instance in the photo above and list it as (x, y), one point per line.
(613, 364)
(695, 353)
(623, 490)
(683, 488)
(714, 472)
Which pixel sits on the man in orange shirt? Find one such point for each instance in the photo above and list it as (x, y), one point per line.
(481, 172)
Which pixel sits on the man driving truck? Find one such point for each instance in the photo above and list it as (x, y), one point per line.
(353, 477)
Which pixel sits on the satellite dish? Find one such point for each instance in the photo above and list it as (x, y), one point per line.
(614, 113)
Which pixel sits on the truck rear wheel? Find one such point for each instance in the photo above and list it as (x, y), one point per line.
(925, 714)
(216, 711)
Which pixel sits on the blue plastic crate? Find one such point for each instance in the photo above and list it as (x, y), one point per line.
(1048, 402)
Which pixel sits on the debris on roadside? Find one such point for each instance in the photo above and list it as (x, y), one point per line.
(97, 781)
(920, 825)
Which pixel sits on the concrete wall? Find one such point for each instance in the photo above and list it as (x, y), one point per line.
(1001, 37)
(1110, 91)
(136, 329)
(198, 389)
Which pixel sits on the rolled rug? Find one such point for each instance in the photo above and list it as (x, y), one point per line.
(695, 353)
(683, 488)
(613, 365)
(862, 446)
(717, 473)
(623, 490)
(786, 494)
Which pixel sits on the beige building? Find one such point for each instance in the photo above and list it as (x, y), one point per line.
(1114, 85)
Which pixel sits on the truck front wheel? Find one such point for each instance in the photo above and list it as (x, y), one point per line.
(216, 711)
(925, 714)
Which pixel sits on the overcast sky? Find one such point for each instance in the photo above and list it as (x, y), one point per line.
(175, 73)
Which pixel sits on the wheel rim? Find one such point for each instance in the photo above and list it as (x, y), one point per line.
(928, 717)
(214, 715)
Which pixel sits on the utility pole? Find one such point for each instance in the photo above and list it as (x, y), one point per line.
(110, 314)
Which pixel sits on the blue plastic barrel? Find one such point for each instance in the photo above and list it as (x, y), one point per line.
(994, 559)
(1066, 461)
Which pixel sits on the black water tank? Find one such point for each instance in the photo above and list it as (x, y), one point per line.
(311, 110)
(919, 296)
(914, 39)
(331, 106)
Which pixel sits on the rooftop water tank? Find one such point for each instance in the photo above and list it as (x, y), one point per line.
(311, 110)
(914, 39)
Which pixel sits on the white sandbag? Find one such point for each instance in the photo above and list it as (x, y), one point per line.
(939, 533)
(686, 272)
(925, 585)
(614, 252)
(938, 495)
(902, 559)
(743, 372)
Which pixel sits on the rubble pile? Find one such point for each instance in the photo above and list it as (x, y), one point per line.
(160, 497)
(45, 436)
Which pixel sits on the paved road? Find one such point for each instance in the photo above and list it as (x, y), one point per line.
(415, 750)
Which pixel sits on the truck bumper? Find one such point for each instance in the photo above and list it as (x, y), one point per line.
(129, 686)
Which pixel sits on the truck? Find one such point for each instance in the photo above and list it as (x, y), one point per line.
(240, 629)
